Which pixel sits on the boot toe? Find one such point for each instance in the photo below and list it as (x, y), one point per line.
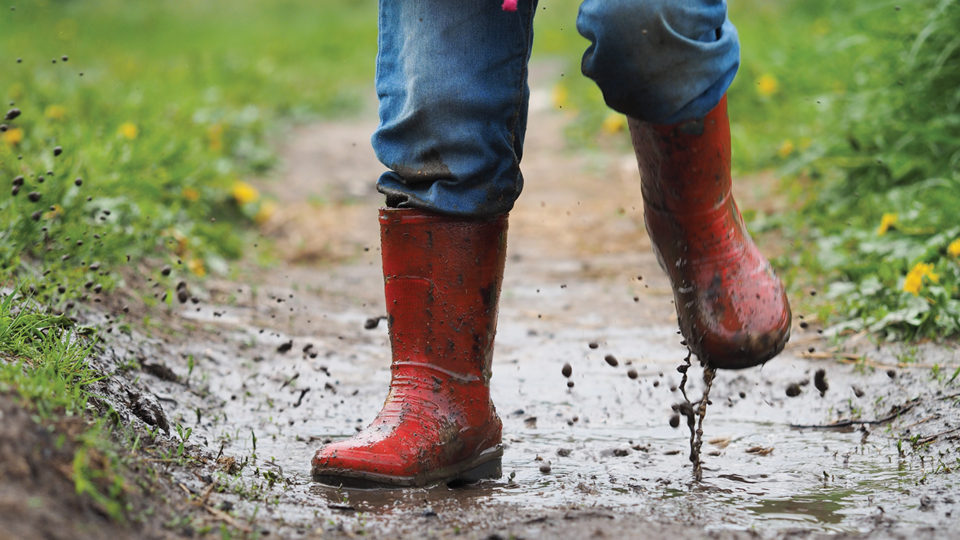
(346, 460)
(747, 326)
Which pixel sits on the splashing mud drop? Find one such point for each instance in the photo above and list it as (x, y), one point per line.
(694, 411)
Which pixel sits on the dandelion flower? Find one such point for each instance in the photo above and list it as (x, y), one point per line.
(914, 280)
(954, 248)
(128, 130)
(767, 85)
(614, 123)
(55, 112)
(786, 148)
(56, 211)
(560, 96)
(190, 194)
(887, 222)
(196, 267)
(13, 136)
(266, 211)
(244, 193)
(182, 242)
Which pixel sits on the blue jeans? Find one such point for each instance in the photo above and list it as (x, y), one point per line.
(452, 84)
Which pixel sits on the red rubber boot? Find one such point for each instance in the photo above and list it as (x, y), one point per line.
(442, 279)
(732, 308)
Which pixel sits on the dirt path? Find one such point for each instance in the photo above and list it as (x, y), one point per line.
(579, 271)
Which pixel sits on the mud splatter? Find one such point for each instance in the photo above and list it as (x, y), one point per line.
(694, 411)
(372, 322)
(820, 381)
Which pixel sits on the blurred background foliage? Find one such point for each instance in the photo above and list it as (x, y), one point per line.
(164, 108)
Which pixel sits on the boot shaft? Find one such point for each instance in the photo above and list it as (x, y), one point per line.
(442, 279)
(685, 168)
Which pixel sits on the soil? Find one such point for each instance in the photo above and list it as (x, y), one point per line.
(275, 361)
(35, 473)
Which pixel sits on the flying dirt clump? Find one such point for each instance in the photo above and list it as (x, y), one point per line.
(694, 411)
(820, 381)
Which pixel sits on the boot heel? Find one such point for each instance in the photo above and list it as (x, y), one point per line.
(484, 471)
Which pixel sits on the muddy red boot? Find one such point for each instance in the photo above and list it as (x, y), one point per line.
(442, 280)
(732, 308)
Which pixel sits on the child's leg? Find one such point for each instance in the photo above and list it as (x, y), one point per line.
(452, 83)
(660, 61)
(667, 65)
(451, 76)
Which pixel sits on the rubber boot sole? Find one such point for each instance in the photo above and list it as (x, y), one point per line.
(486, 465)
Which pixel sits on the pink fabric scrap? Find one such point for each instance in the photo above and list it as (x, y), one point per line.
(509, 5)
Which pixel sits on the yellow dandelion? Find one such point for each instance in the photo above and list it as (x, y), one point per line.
(767, 85)
(786, 148)
(128, 130)
(215, 137)
(614, 123)
(57, 210)
(266, 211)
(560, 96)
(182, 244)
(55, 112)
(196, 267)
(190, 194)
(13, 136)
(244, 193)
(181, 241)
(954, 248)
(887, 222)
(914, 280)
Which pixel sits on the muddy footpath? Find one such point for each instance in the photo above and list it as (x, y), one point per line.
(858, 440)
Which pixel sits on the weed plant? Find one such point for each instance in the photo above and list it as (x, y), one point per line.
(882, 185)
(43, 363)
(131, 127)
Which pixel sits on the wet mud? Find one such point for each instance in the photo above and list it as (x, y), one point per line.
(35, 473)
(267, 368)
(602, 453)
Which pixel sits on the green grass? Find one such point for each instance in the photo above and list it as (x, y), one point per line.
(172, 111)
(43, 361)
(890, 146)
(162, 109)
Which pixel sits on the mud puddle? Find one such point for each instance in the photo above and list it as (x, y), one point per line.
(270, 366)
(603, 449)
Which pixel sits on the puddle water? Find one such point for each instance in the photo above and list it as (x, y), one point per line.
(620, 455)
